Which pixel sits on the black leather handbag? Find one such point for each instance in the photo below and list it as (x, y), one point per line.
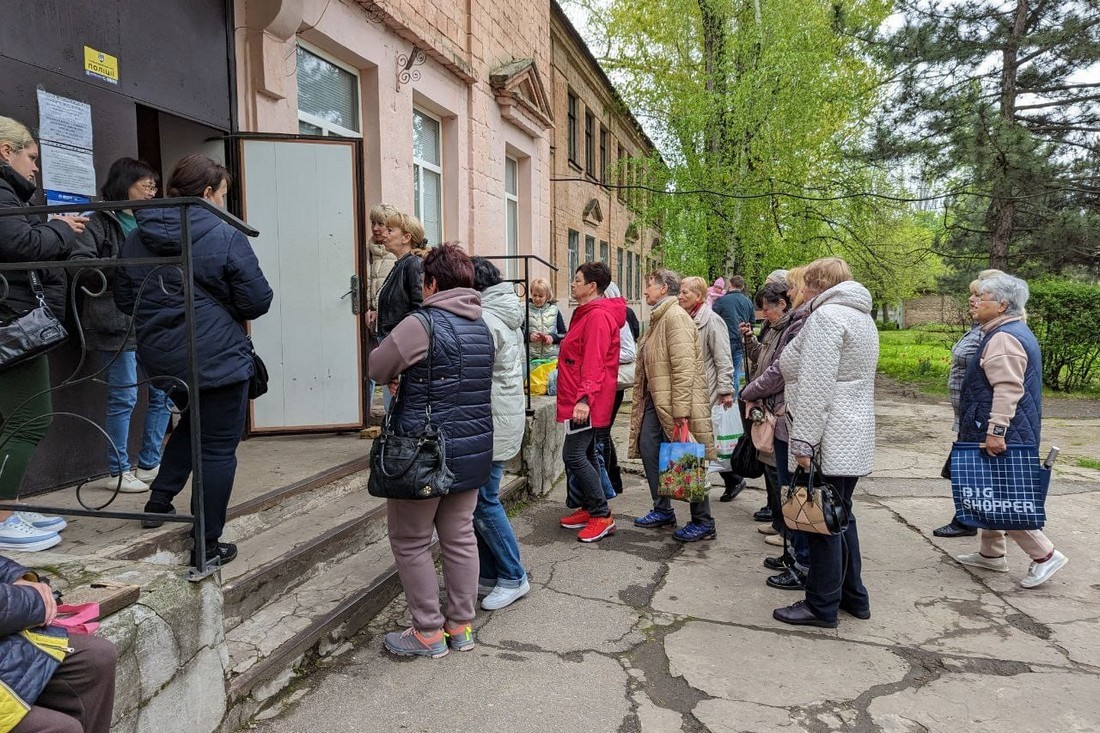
(257, 384)
(811, 505)
(412, 466)
(32, 334)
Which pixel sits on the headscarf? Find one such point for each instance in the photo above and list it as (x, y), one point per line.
(716, 291)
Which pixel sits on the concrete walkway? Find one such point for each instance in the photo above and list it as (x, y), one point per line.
(639, 633)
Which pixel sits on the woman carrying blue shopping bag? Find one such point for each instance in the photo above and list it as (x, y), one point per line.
(1001, 403)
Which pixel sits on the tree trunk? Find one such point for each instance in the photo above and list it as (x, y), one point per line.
(1002, 208)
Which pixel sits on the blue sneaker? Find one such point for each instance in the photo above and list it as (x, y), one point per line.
(655, 519)
(694, 531)
(42, 521)
(18, 536)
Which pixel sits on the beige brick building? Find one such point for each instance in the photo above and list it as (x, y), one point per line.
(597, 146)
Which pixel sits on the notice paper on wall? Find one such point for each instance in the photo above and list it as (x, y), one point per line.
(65, 135)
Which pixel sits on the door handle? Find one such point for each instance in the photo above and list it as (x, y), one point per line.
(356, 295)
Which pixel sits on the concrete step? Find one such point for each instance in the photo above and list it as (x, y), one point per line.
(317, 594)
(251, 517)
(272, 562)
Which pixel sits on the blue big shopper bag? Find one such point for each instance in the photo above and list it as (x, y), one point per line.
(1005, 492)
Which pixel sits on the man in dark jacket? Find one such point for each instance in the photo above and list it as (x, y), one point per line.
(49, 683)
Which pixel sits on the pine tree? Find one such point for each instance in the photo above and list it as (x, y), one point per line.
(990, 99)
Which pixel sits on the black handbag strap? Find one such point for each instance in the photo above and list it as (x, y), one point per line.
(36, 287)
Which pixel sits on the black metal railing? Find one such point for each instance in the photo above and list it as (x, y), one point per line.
(525, 281)
(94, 269)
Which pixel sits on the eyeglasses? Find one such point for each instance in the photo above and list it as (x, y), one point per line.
(147, 186)
(987, 300)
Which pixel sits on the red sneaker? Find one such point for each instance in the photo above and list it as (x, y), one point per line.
(596, 529)
(576, 520)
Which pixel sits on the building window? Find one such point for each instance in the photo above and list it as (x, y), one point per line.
(589, 248)
(621, 173)
(574, 253)
(428, 174)
(605, 254)
(603, 155)
(328, 97)
(511, 213)
(571, 131)
(589, 144)
(630, 276)
(619, 269)
(638, 275)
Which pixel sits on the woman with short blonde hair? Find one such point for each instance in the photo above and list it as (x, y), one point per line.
(545, 326)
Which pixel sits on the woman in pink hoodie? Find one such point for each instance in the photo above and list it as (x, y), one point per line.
(588, 373)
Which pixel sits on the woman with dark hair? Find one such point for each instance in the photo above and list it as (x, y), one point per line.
(25, 404)
(459, 396)
(503, 579)
(766, 390)
(230, 288)
(107, 332)
(588, 374)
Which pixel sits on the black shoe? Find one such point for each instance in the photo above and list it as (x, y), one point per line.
(790, 580)
(764, 514)
(861, 613)
(155, 508)
(778, 562)
(954, 529)
(217, 555)
(799, 614)
(732, 488)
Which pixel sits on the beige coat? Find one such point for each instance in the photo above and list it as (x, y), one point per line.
(381, 262)
(670, 372)
(714, 343)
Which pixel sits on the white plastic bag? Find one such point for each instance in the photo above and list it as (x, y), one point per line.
(727, 429)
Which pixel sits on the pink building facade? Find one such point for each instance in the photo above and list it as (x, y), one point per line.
(448, 98)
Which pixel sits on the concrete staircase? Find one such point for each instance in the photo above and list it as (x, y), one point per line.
(314, 567)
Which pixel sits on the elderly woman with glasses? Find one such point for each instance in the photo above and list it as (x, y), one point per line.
(1002, 403)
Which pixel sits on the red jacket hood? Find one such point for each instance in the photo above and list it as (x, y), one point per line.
(613, 307)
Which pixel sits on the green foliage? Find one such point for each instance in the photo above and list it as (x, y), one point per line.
(920, 357)
(1088, 463)
(1064, 315)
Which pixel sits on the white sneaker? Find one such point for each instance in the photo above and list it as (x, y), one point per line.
(501, 597)
(147, 475)
(130, 484)
(1040, 572)
(43, 522)
(18, 536)
(978, 560)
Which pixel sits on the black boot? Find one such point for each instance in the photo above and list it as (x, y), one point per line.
(734, 485)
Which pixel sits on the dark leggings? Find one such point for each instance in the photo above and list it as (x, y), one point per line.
(25, 408)
(579, 454)
(610, 456)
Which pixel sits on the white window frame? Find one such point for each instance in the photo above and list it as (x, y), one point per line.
(330, 128)
(420, 165)
(511, 244)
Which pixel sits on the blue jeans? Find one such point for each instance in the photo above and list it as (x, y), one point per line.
(738, 354)
(800, 544)
(122, 395)
(572, 489)
(497, 549)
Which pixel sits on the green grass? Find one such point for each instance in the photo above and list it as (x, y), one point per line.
(921, 357)
(1088, 463)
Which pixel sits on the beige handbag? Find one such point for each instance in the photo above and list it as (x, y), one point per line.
(763, 433)
(810, 505)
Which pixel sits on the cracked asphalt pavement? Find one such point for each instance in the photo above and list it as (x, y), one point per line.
(639, 634)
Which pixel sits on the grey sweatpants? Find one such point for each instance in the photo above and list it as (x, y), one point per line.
(410, 526)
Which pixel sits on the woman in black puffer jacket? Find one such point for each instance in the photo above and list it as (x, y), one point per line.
(25, 404)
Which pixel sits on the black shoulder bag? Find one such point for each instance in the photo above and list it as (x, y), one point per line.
(32, 334)
(411, 466)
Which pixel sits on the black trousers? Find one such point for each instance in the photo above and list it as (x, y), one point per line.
(610, 456)
(579, 455)
(835, 563)
(222, 413)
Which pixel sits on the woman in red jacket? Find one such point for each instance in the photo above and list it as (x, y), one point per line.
(588, 369)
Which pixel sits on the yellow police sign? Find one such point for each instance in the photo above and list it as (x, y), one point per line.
(99, 65)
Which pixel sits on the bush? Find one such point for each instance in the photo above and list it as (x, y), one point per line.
(1065, 317)
(887, 326)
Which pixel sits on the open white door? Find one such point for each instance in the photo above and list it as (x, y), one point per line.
(302, 197)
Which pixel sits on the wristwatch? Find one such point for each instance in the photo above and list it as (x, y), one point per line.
(998, 431)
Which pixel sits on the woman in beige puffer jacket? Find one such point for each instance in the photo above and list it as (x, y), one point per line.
(670, 388)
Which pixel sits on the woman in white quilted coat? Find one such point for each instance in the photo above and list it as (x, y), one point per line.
(829, 371)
